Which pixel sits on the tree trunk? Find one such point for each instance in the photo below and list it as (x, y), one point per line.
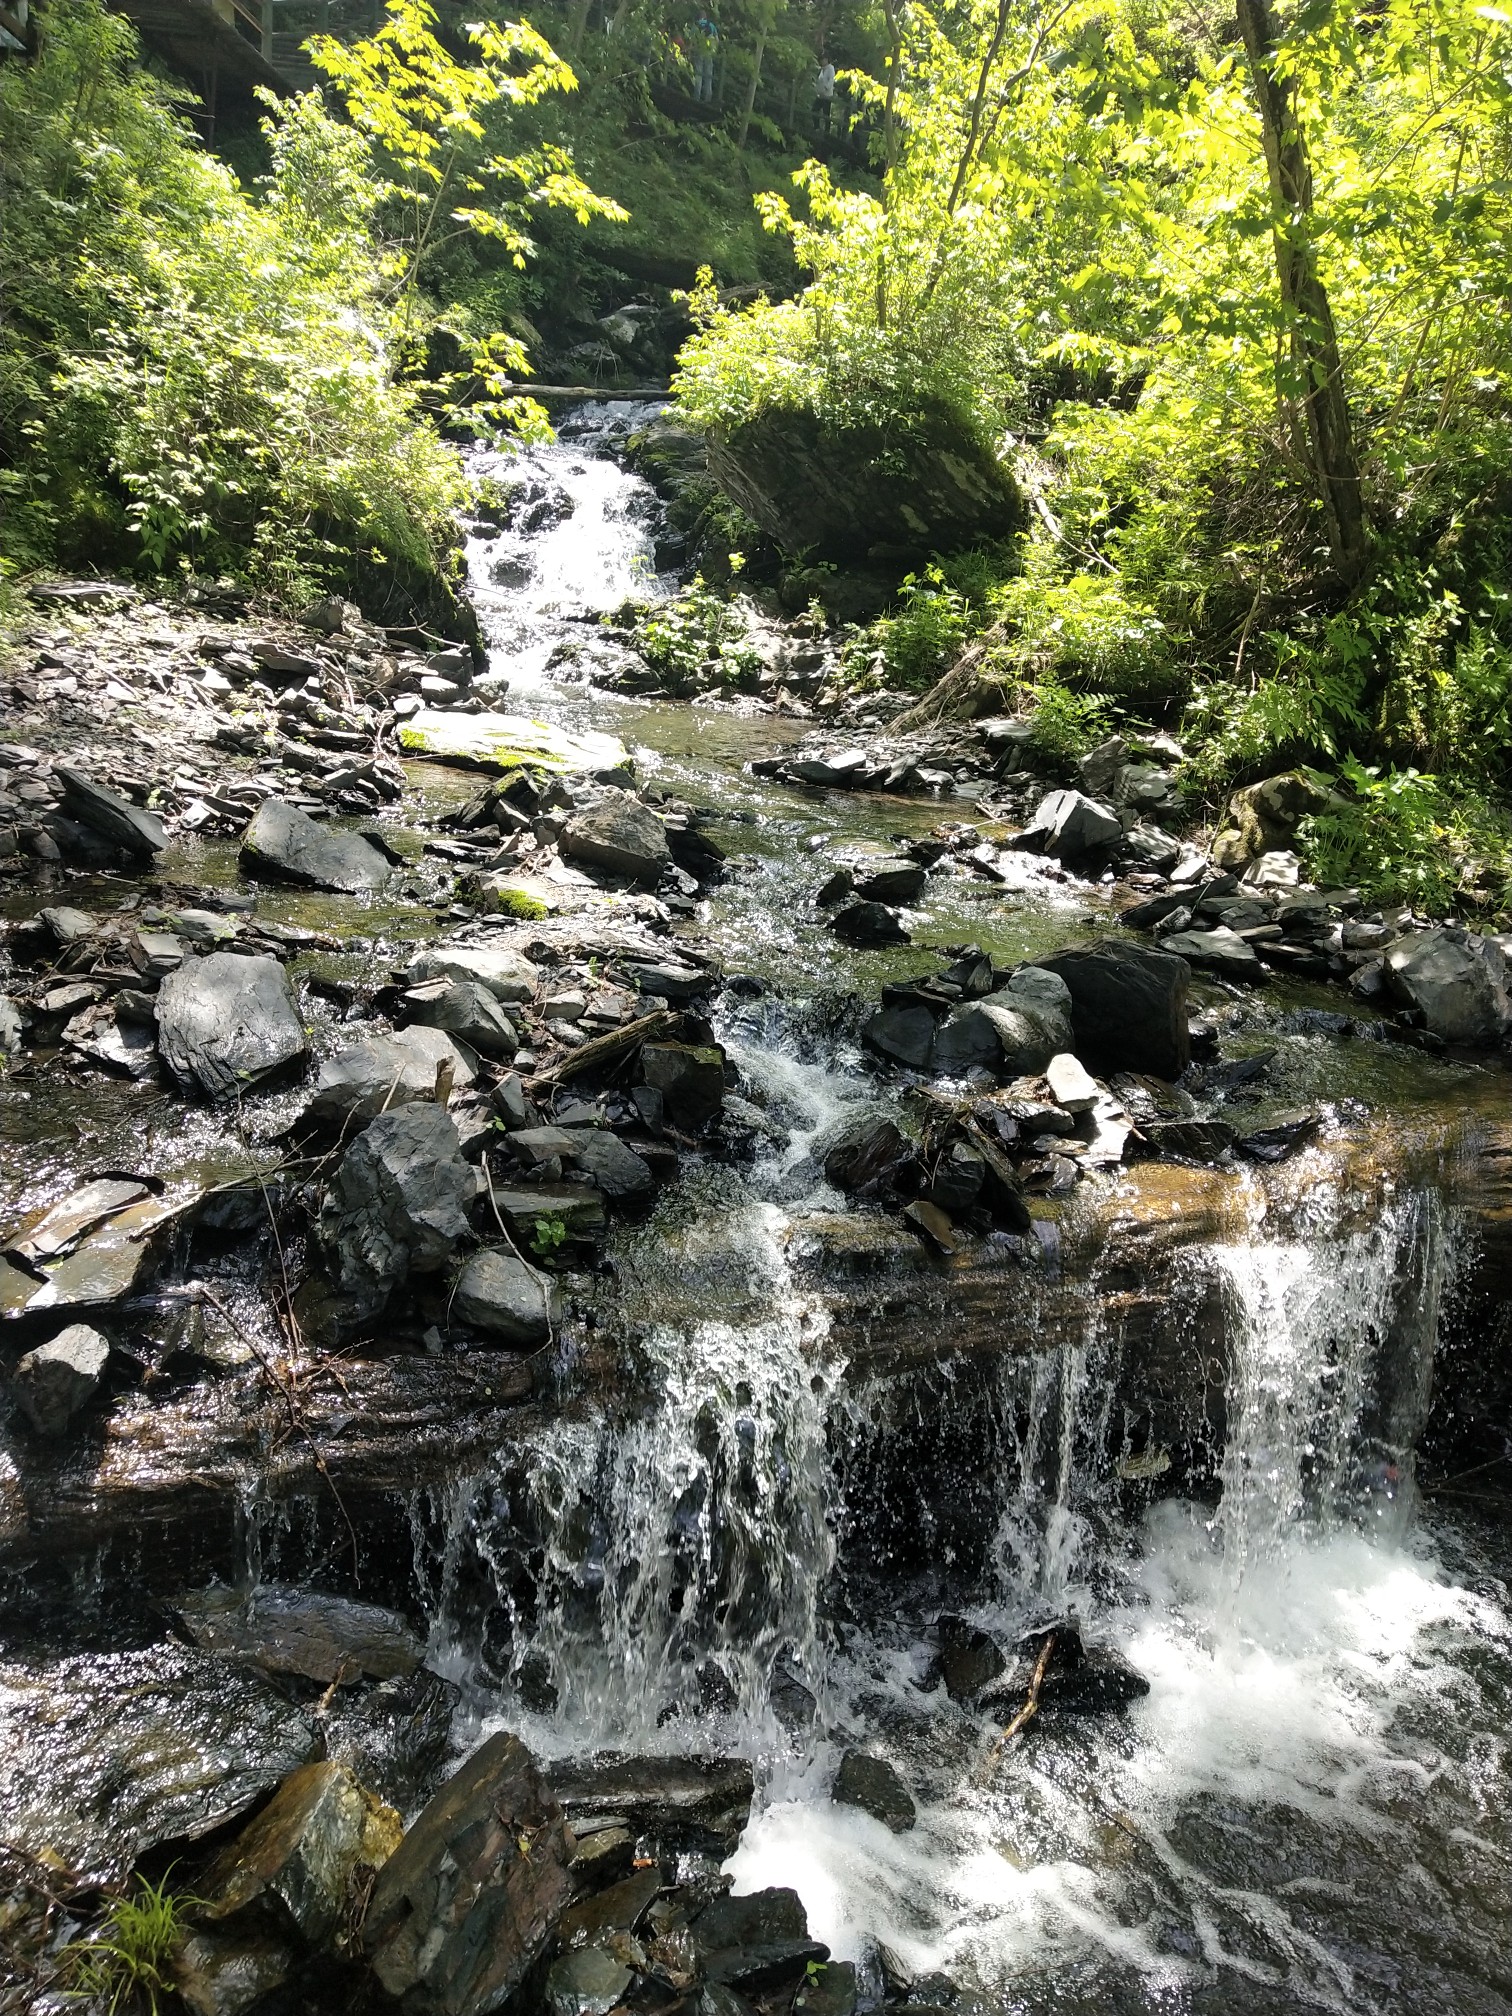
(1315, 362)
(578, 27)
(750, 98)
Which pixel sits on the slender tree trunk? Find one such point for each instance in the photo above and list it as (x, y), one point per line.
(1315, 362)
(755, 84)
(578, 27)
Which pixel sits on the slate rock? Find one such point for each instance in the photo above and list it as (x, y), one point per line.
(872, 1784)
(830, 1991)
(690, 1078)
(467, 1011)
(969, 1659)
(500, 1295)
(857, 1148)
(621, 836)
(523, 1206)
(692, 1803)
(300, 1862)
(283, 1629)
(1014, 1031)
(1073, 828)
(614, 1168)
(756, 1944)
(466, 1904)
(903, 1034)
(508, 975)
(1456, 981)
(587, 1982)
(383, 1073)
(1128, 1006)
(958, 1179)
(108, 1755)
(896, 881)
(107, 812)
(398, 1204)
(1071, 1086)
(1190, 1140)
(1220, 951)
(284, 842)
(228, 1023)
(59, 1378)
(868, 925)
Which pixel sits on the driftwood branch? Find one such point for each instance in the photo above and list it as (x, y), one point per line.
(604, 1050)
(1027, 1713)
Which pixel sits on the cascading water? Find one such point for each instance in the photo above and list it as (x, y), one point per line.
(1305, 1812)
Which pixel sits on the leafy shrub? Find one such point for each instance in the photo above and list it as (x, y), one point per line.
(911, 648)
(698, 633)
(1064, 725)
(1400, 834)
(1089, 630)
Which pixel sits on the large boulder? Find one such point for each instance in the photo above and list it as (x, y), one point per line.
(1015, 1031)
(467, 1903)
(1073, 828)
(397, 1206)
(857, 1148)
(850, 494)
(757, 1944)
(226, 1023)
(621, 836)
(1456, 981)
(872, 1784)
(1263, 818)
(56, 1380)
(904, 1033)
(1128, 1007)
(289, 844)
(690, 1078)
(385, 1072)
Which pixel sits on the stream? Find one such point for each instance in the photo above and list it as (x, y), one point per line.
(742, 1543)
(1310, 1807)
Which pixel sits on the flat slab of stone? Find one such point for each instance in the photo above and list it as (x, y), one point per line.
(506, 742)
(508, 975)
(621, 837)
(693, 1802)
(227, 1023)
(284, 842)
(286, 1630)
(96, 805)
(107, 1756)
(385, 1072)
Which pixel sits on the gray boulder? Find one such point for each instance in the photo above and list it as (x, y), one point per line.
(690, 1078)
(466, 1010)
(868, 925)
(614, 1169)
(466, 1904)
(1220, 951)
(1072, 827)
(588, 1982)
(621, 836)
(383, 1073)
(227, 1023)
(1015, 1031)
(872, 1784)
(500, 1295)
(1128, 1007)
(904, 1033)
(898, 881)
(107, 812)
(57, 1379)
(284, 842)
(397, 1206)
(1456, 981)
(508, 975)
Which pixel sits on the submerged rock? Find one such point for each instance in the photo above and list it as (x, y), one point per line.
(872, 1784)
(398, 1204)
(228, 1023)
(288, 843)
(286, 1630)
(108, 1756)
(467, 1902)
(621, 836)
(58, 1379)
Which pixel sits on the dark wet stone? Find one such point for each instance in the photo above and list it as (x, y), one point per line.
(218, 1973)
(107, 812)
(525, 1206)
(227, 1024)
(1128, 1007)
(757, 1944)
(613, 1167)
(700, 1803)
(301, 1861)
(969, 1660)
(109, 1756)
(1193, 1140)
(904, 1034)
(867, 925)
(588, 1982)
(509, 1301)
(872, 1784)
(617, 1909)
(284, 842)
(396, 1736)
(58, 1379)
(621, 836)
(397, 1206)
(467, 1902)
(1079, 1679)
(690, 1078)
(830, 1990)
(467, 1011)
(900, 881)
(858, 1148)
(288, 1630)
(1282, 1138)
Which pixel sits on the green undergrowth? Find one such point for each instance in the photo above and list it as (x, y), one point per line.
(126, 1964)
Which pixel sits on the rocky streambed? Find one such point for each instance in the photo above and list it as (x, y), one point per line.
(557, 1406)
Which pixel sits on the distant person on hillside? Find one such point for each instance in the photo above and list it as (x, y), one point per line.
(824, 96)
(705, 47)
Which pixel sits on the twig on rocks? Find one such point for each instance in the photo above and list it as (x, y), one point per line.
(1025, 1715)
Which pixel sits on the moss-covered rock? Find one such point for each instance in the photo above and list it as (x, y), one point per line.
(509, 742)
